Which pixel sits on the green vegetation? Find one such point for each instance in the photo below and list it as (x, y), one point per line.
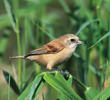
(28, 24)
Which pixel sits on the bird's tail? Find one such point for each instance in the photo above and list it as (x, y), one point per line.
(17, 57)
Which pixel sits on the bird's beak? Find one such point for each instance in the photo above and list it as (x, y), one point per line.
(80, 42)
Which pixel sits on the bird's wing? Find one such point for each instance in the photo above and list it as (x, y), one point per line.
(52, 47)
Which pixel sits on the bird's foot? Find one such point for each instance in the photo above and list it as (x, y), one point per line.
(65, 73)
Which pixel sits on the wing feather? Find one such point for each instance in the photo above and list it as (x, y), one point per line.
(52, 47)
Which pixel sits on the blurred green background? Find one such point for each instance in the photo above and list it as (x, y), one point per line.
(28, 24)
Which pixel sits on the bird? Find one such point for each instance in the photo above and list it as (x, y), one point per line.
(53, 53)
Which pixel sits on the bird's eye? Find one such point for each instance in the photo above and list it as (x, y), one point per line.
(72, 40)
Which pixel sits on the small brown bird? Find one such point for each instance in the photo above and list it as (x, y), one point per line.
(54, 52)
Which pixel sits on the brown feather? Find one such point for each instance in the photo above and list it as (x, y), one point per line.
(52, 47)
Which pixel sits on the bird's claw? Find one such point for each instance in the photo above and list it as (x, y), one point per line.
(65, 73)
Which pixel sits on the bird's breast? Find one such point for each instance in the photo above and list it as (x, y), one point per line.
(58, 58)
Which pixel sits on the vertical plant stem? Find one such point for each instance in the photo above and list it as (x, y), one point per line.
(19, 52)
(16, 12)
(109, 41)
(24, 47)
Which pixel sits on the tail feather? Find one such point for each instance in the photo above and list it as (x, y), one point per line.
(17, 57)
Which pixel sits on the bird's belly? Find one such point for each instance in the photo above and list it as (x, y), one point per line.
(38, 59)
(55, 59)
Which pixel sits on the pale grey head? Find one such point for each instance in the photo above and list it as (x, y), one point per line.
(70, 40)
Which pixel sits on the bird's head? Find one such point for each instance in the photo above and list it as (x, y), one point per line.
(70, 41)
